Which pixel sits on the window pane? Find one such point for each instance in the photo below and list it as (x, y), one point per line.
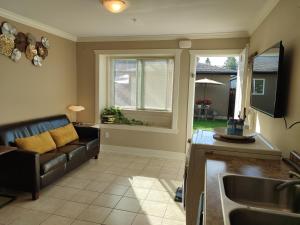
(157, 84)
(124, 82)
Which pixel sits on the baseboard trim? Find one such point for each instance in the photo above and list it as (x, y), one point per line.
(142, 152)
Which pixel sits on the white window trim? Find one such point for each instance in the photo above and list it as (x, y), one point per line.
(140, 104)
(264, 83)
(102, 84)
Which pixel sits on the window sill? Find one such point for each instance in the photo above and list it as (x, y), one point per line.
(140, 128)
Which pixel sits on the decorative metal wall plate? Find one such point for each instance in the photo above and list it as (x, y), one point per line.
(31, 39)
(45, 42)
(30, 52)
(42, 51)
(21, 41)
(6, 45)
(16, 55)
(8, 30)
(37, 61)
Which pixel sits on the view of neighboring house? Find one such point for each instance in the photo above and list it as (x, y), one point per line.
(218, 94)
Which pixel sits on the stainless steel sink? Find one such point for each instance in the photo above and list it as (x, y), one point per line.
(261, 192)
(256, 201)
(254, 217)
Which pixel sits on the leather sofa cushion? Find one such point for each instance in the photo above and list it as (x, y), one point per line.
(64, 135)
(89, 143)
(9, 132)
(39, 143)
(51, 160)
(73, 151)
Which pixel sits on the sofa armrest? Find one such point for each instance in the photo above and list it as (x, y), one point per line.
(20, 170)
(87, 132)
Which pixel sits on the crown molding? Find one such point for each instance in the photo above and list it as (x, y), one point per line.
(239, 34)
(35, 24)
(266, 10)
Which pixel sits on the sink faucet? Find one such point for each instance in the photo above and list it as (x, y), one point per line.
(286, 184)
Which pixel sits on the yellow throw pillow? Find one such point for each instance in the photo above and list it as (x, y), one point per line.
(39, 143)
(64, 135)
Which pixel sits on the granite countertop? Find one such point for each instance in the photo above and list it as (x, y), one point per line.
(217, 164)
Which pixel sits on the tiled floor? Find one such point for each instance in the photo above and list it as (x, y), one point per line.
(113, 190)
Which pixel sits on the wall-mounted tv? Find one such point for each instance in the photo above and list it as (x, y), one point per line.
(268, 82)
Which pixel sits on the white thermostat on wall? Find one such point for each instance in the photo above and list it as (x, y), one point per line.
(185, 44)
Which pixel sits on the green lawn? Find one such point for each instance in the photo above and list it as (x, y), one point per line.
(209, 124)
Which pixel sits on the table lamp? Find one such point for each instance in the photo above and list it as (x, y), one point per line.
(74, 109)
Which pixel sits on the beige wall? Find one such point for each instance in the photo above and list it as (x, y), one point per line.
(150, 140)
(282, 24)
(28, 92)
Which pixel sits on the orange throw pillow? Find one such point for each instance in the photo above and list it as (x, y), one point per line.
(64, 135)
(39, 143)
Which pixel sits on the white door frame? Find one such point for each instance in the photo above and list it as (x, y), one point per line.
(193, 57)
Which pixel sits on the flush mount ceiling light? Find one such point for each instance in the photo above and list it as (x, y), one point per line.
(114, 6)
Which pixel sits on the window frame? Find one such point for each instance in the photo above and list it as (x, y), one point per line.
(254, 83)
(140, 103)
(101, 84)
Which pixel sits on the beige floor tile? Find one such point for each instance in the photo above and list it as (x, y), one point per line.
(129, 204)
(107, 200)
(71, 209)
(107, 178)
(159, 196)
(131, 172)
(143, 183)
(116, 189)
(10, 213)
(139, 193)
(172, 222)
(94, 214)
(141, 219)
(77, 183)
(175, 212)
(24, 217)
(84, 196)
(114, 170)
(65, 193)
(44, 204)
(57, 220)
(80, 222)
(97, 186)
(153, 208)
(126, 181)
(118, 217)
(138, 166)
(86, 174)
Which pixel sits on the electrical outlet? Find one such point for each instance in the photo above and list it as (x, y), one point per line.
(106, 134)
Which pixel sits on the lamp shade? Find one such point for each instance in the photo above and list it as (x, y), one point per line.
(76, 108)
(114, 6)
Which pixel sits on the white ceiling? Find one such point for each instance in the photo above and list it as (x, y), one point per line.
(87, 18)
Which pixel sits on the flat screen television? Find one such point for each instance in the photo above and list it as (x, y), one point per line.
(268, 82)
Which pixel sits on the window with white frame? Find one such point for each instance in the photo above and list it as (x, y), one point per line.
(141, 83)
(258, 86)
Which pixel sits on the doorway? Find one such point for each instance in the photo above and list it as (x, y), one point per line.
(215, 89)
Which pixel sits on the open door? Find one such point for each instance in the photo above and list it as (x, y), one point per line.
(241, 84)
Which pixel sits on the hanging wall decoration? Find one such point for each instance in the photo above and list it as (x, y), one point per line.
(13, 43)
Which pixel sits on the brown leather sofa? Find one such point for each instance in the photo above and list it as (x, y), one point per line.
(29, 171)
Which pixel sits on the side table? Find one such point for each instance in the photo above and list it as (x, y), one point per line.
(5, 198)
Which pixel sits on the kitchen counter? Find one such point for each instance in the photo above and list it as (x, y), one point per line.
(261, 148)
(216, 164)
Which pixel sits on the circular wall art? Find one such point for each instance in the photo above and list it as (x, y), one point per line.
(13, 43)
